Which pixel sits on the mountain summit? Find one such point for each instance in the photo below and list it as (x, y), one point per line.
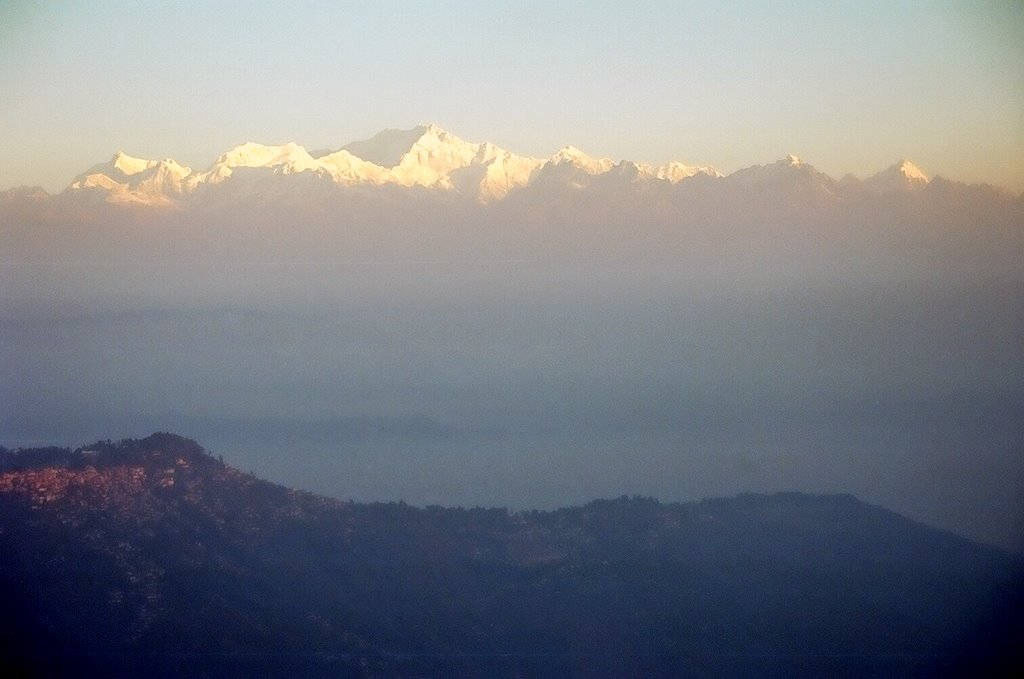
(903, 176)
(425, 156)
(430, 157)
(124, 179)
(426, 145)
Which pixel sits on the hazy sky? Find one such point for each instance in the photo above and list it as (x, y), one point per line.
(850, 88)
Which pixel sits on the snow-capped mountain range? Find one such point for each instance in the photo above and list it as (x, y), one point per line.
(430, 157)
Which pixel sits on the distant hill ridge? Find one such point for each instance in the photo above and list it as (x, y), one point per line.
(152, 557)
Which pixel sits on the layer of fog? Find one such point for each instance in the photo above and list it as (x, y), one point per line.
(468, 359)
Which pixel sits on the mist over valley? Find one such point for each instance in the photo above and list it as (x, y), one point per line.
(596, 330)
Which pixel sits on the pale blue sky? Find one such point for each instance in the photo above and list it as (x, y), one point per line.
(849, 88)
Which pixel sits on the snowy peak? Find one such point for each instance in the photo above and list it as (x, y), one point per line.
(676, 172)
(422, 156)
(391, 148)
(345, 168)
(117, 170)
(430, 157)
(284, 159)
(568, 154)
(493, 174)
(387, 148)
(911, 171)
(126, 179)
(128, 165)
(902, 176)
(434, 154)
(789, 181)
(788, 167)
(251, 154)
(630, 171)
(573, 156)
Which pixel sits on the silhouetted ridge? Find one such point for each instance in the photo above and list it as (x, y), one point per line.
(150, 557)
(155, 449)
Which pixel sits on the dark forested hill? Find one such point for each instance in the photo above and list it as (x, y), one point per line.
(150, 557)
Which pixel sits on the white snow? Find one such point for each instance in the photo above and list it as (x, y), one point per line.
(286, 159)
(136, 180)
(676, 172)
(129, 165)
(426, 156)
(576, 157)
(911, 171)
(902, 176)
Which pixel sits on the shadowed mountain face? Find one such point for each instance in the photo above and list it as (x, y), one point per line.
(152, 557)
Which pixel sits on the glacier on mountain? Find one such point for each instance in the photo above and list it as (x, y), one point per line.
(903, 176)
(134, 180)
(428, 156)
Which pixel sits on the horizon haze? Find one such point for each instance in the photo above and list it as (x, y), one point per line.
(471, 327)
(808, 277)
